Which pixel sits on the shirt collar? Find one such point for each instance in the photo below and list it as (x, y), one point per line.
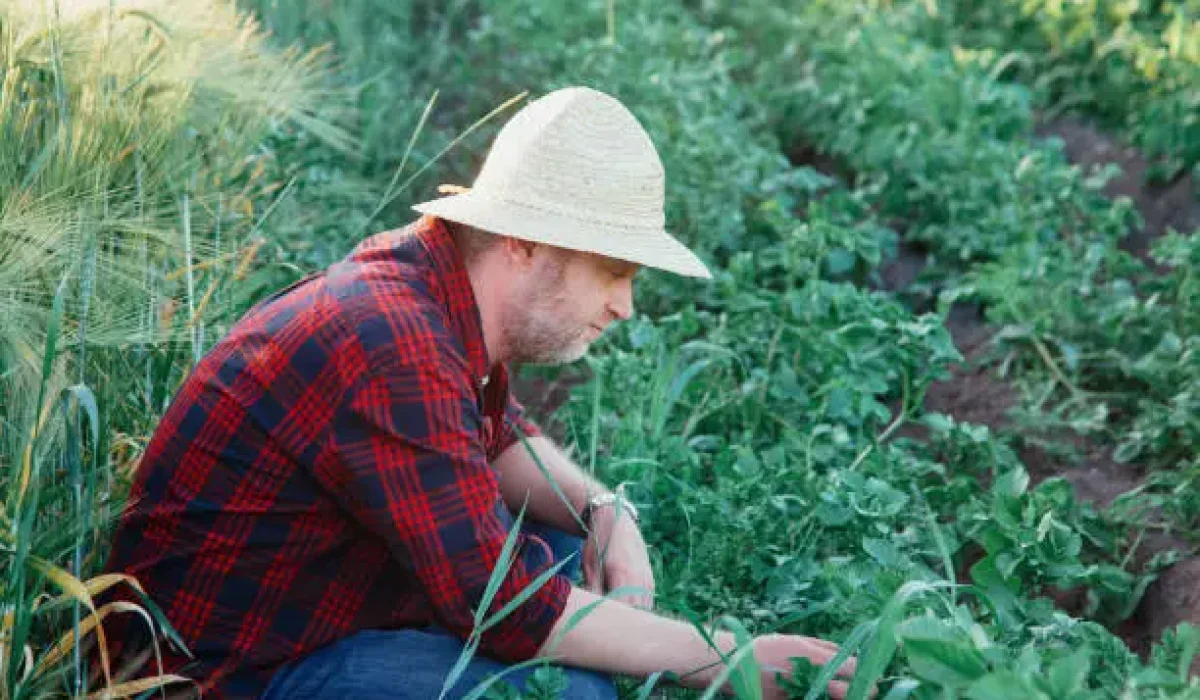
(452, 286)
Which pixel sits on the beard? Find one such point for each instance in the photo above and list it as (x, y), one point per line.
(540, 341)
(538, 332)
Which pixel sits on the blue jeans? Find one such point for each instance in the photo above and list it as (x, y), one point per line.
(412, 664)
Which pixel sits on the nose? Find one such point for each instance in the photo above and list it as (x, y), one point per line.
(620, 303)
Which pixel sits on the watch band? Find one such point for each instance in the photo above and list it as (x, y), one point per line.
(609, 499)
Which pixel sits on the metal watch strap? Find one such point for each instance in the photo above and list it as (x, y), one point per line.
(608, 499)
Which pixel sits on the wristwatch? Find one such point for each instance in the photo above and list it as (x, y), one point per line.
(609, 499)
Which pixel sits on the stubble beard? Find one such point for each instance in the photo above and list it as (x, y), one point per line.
(537, 333)
(540, 341)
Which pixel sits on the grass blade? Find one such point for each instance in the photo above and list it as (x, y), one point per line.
(524, 595)
(503, 563)
(845, 650)
(882, 648)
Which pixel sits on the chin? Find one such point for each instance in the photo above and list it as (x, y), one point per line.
(562, 357)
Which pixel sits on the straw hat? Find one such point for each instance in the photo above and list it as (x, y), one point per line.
(574, 169)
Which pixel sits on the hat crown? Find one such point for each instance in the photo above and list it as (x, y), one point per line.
(580, 153)
(575, 170)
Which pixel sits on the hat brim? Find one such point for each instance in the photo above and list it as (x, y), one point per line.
(650, 247)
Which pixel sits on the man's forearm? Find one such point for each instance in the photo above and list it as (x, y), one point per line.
(618, 638)
(520, 477)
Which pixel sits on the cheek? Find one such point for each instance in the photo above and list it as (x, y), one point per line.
(598, 295)
(582, 293)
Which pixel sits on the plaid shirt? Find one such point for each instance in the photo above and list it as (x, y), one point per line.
(325, 469)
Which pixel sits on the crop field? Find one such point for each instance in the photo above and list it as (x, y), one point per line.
(940, 403)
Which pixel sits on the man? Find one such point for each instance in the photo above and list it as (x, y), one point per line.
(323, 506)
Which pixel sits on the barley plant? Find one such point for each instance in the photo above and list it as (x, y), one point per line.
(132, 189)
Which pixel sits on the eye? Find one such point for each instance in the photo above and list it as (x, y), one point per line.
(622, 271)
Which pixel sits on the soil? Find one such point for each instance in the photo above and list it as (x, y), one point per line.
(1173, 598)
(1172, 205)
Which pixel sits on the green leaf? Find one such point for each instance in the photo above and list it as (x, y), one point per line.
(952, 664)
(833, 514)
(885, 553)
(845, 650)
(1012, 483)
(1003, 685)
(1067, 675)
(747, 679)
(902, 689)
(1000, 591)
(460, 665)
(647, 687)
(878, 655)
(524, 594)
(839, 261)
(503, 564)
(1128, 450)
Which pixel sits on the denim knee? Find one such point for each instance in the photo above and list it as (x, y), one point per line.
(407, 664)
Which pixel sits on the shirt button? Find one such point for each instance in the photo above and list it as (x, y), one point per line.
(484, 381)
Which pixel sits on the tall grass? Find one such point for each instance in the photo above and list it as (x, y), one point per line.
(132, 188)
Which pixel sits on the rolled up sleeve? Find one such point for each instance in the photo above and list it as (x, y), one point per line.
(406, 457)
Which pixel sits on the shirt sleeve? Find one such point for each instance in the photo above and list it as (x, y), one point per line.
(406, 457)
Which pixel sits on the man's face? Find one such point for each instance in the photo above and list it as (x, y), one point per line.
(566, 302)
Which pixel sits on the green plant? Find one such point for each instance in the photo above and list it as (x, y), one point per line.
(1106, 347)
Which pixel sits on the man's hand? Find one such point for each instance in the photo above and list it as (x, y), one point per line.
(775, 651)
(625, 560)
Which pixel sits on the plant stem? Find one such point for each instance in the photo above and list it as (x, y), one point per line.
(899, 420)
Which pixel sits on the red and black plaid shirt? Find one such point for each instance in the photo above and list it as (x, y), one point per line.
(325, 469)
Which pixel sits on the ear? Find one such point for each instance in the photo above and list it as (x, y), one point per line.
(520, 252)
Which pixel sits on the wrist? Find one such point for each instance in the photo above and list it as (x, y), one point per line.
(615, 503)
(703, 676)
